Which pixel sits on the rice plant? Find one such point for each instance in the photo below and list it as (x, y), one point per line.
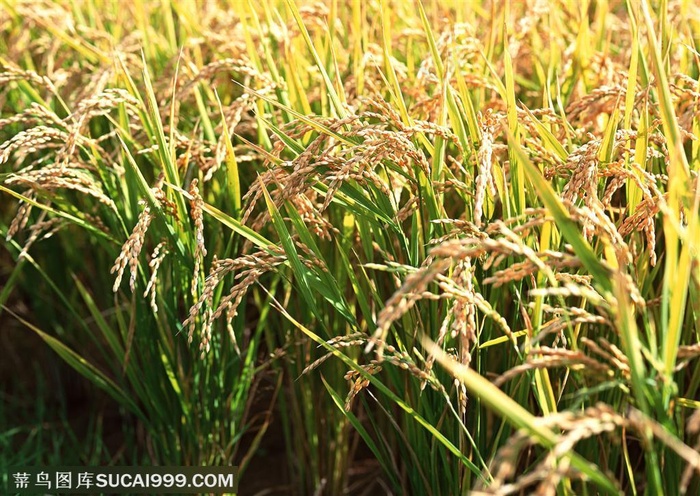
(431, 247)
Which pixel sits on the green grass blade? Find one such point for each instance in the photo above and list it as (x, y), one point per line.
(76, 220)
(244, 231)
(385, 390)
(234, 182)
(568, 228)
(360, 428)
(329, 86)
(83, 367)
(503, 405)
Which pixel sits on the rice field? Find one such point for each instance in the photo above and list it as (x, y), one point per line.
(354, 246)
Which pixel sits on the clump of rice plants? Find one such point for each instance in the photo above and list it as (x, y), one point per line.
(444, 248)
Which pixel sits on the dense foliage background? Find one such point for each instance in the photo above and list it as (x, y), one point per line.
(354, 246)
